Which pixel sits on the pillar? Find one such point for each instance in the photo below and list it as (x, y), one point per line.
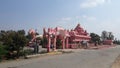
(49, 42)
(55, 42)
(66, 43)
(63, 43)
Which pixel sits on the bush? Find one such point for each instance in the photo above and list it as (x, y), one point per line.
(59, 44)
(116, 42)
(3, 52)
(28, 52)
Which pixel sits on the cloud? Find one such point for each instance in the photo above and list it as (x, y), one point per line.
(77, 17)
(66, 19)
(108, 25)
(89, 18)
(111, 25)
(93, 3)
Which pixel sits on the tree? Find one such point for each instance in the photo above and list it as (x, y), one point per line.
(59, 43)
(14, 40)
(22, 32)
(3, 51)
(19, 41)
(110, 36)
(107, 36)
(44, 42)
(104, 35)
(94, 37)
(29, 37)
(116, 41)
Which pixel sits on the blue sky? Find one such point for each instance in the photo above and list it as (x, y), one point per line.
(94, 15)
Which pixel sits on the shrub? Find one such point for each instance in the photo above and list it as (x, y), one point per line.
(3, 52)
(59, 44)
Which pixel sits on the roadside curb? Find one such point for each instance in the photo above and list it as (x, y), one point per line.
(46, 54)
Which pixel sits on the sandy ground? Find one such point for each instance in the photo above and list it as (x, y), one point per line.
(116, 63)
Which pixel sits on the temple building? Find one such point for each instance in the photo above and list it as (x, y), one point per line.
(68, 39)
(77, 35)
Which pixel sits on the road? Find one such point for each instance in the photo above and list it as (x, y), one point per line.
(102, 58)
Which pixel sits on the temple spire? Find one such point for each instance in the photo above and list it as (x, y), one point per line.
(78, 24)
(78, 27)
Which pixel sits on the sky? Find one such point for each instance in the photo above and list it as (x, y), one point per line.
(93, 15)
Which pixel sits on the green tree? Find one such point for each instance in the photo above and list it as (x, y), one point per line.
(44, 42)
(21, 32)
(3, 51)
(58, 43)
(29, 37)
(104, 35)
(116, 42)
(19, 41)
(110, 36)
(107, 36)
(95, 37)
(14, 40)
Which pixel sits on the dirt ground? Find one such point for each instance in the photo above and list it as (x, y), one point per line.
(116, 63)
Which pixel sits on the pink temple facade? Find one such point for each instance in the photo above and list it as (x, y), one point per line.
(69, 39)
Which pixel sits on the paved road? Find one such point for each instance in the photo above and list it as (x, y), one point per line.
(80, 59)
